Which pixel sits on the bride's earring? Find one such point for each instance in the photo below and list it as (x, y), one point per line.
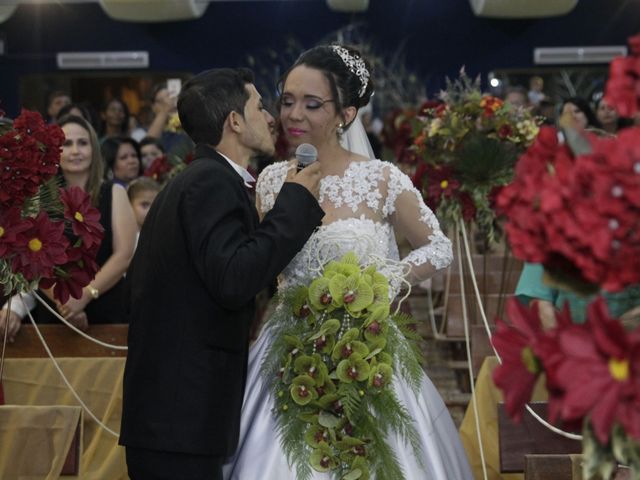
(340, 129)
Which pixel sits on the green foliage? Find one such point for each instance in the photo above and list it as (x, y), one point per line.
(331, 415)
(483, 160)
(469, 145)
(13, 282)
(601, 461)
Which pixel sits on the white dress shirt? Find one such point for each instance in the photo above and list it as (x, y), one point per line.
(243, 172)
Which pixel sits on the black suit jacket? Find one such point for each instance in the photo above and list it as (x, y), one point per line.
(200, 260)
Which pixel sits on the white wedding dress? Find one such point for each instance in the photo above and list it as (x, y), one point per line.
(363, 208)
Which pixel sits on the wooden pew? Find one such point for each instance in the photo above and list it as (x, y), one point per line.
(529, 437)
(480, 346)
(548, 467)
(496, 278)
(64, 342)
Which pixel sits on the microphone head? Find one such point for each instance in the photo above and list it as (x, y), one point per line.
(306, 154)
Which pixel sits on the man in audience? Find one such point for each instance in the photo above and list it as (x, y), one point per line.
(56, 101)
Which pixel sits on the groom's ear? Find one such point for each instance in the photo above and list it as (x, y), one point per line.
(235, 121)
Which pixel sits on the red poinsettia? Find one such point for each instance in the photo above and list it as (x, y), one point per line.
(29, 155)
(520, 367)
(580, 212)
(33, 238)
(189, 158)
(592, 370)
(84, 218)
(634, 44)
(11, 225)
(599, 373)
(441, 182)
(505, 131)
(397, 135)
(469, 209)
(69, 279)
(158, 168)
(40, 248)
(622, 91)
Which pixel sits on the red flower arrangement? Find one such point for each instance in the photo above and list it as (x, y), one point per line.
(48, 236)
(623, 86)
(467, 144)
(574, 206)
(593, 378)
(578, 213)
(158, 169)
(164, 168)
(397, 135)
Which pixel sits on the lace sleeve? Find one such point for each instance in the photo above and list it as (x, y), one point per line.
(411, 218)
(269, 184)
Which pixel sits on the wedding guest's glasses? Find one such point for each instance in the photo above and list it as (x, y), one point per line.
(309, 102)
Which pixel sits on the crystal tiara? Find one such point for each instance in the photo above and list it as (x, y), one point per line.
(356, 65)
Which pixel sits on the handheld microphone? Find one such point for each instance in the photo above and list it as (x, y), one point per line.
(306, 154)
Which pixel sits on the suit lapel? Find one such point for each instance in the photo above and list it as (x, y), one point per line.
(208, 152)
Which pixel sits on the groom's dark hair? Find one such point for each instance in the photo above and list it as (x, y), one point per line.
(207, 99)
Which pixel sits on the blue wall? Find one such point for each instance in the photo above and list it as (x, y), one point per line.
(440, 35)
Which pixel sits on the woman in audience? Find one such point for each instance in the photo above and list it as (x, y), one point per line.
(122, 160)
(609, 118)
(76, 109)
(150, 149)
(81, 165)
(115, 119)
(581, 112)
(532, 288)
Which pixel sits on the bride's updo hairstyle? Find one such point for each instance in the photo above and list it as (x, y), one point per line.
(348, 73)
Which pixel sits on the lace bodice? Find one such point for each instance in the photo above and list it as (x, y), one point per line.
(364, 207)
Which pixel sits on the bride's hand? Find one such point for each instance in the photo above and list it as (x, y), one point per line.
(309, 177)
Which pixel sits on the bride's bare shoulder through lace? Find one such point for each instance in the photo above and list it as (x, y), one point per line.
(405, 207)
(358, 186)
(269, 184)
(366, 204)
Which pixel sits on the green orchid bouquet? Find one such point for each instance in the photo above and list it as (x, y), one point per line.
(337, 347)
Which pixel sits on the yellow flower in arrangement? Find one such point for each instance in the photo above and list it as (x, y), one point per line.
(174, 125)
(491, 104)
(434, 127)
(528, 129)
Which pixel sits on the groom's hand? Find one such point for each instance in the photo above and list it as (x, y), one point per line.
(309, 177)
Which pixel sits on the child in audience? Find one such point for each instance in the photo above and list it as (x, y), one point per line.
(142, 192)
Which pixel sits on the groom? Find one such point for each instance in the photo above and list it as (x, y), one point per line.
(201, 259)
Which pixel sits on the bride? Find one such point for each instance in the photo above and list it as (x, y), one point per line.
(366, 201)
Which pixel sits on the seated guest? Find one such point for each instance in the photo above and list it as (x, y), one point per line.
(150, 149)
(142, 192)
(115, 119)
(55, 101)
(76, 109)
(122, 160)
(609, 118)
(546, 109)
(531, 288)
(581, 112)
(516, 96)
